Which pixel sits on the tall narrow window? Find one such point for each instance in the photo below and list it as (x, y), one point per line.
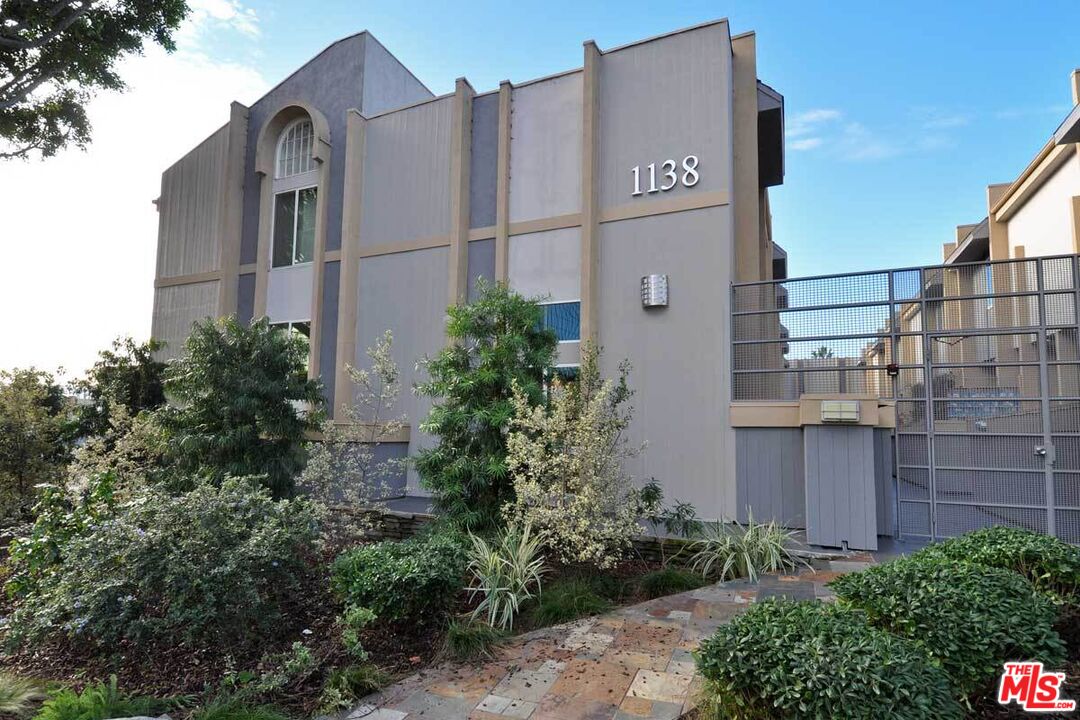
(564, 318)
(294, 227)
(295, 197)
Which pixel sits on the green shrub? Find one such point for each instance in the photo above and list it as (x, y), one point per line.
(735, 551)
(232, 709)
(505, 573)
(1049, 563)
(345, 686)
(97, 702)
(416, 579)
(212, 566)
(469, 640)
(568, 599)
(18, 696)
(970, 618)
(353, 622)
(668, 581)
(784, 659)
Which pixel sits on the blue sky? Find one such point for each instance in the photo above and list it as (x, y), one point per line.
(899, 115)
(904, 111)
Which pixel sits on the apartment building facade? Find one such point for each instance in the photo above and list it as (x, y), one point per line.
(349, 200)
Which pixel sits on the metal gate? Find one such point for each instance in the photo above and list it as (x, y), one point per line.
(982, 361)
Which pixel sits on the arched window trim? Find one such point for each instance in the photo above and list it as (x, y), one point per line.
(293, 152)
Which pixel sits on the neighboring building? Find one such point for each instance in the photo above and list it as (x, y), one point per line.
(1036, 215)
(349, 200)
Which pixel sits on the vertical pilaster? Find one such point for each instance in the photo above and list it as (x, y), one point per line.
(502, 186)
(590, 196)
(999, 231)
(749, 250)
(348, 292)
(460, 160)
(231, 219)
(319, 265)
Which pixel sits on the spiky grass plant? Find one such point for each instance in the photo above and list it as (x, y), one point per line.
(732, 551)
(470, 640)
(506, 573)
(18, 696)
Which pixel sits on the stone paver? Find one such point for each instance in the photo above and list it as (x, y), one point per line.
(634, 663)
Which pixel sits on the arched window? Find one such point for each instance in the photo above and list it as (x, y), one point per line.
(295, 181)
(294, 149)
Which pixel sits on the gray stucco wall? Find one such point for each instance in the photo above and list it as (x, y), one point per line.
(545, 148)
(405, 293)
(666, 99)
(409, 153)
(841, 505)
(245, 298)
(387, 83)
(328, 342)
(770, 476)
(485, 156)
(676, 352)
(481, 264)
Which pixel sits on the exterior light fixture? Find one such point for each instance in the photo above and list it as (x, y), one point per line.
(839, 411)
(654, 291)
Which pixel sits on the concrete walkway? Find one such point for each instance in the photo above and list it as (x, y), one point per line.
(629, 664)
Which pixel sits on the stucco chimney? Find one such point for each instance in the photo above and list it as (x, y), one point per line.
(1075, 77)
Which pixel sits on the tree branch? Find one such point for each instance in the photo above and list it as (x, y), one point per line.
(12, 43)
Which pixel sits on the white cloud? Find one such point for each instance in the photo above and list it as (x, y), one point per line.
(858, 143)
(80, 229)
(804, 143)
(810, 121)
(1022, 112)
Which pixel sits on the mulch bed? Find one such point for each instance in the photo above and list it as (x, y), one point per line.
(183, 671)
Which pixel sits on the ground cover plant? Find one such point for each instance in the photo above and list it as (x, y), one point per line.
(733, 551)
(784, 659)
(1049, 563)
(969, 618)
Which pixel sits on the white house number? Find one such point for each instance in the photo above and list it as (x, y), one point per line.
(670, 173)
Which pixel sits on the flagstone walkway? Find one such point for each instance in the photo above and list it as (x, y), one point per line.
(630, 664)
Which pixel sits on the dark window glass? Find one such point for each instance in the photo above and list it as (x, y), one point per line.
(305, 227)
(284, 227)
(564, 319)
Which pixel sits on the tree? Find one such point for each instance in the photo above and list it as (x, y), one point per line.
(497, 342)
(34, 437)
(822, 353)
(55, 53)
(567, 463)
(126, 375)
(342, 465)
(237, 391)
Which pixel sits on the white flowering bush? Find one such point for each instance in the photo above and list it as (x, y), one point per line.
(567, 463)
(342, 465)
(213, 566)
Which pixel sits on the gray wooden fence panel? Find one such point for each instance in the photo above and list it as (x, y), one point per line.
(841, 503)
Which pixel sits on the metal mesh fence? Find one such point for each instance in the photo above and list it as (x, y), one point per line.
(980, 360)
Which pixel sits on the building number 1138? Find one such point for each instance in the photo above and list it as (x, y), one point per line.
(669, 173)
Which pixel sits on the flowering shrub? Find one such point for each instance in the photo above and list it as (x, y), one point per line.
(567, 464)
(211, 566)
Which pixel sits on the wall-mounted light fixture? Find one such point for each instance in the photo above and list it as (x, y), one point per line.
(839, 411)
(654, 291)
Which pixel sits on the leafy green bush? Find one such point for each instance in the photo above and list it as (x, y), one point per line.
(345, 686)
(97, 702)
(784, 659)
(505, 573)
(233, 709)
(1049, 563)
(970, 618)
(18, 696)
(469, 640)
(415, 579)
(668, 581)
(237, 390)
(498, 341)
(735, 551)
(59, 519)
(354, 620)
(568, 599)
(212, 566)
